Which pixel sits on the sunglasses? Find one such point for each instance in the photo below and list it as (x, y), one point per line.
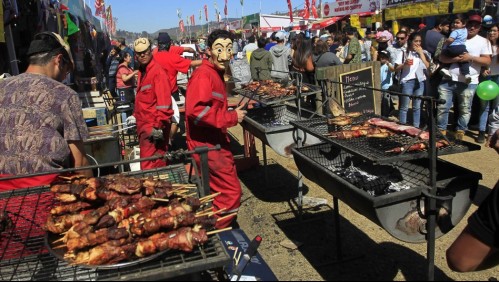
(400, 38)
(146, 52)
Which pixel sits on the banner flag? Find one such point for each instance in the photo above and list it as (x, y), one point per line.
(290, 7)
(206, 11)
(306, 10)
(226, 12)
(314, 10)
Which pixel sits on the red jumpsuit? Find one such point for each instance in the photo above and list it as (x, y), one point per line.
(207, 120)
(172, 63)
(153, 109)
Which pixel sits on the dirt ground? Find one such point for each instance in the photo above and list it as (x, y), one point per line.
(368, 251)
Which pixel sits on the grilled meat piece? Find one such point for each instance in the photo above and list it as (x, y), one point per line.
(69, 208)
(106, 253)
(65, 197)
(62, 223)
(96, 238)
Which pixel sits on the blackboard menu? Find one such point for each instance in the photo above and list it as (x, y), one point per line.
(241, 72)
(354, 98)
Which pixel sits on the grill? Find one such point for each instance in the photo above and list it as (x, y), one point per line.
(24, 256)
(376, 197)
(271, 124)
(374, 149)
(268, 100)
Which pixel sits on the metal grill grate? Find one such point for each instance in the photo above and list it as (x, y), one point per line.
(374, 149)
(24, 256)
(276, 115)
(267, 100)
(403, 175)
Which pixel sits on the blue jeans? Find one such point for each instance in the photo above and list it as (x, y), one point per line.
(485, 106)
(464, 93)
(416, 88)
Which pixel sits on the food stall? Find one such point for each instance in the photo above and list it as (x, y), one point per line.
(388, 172)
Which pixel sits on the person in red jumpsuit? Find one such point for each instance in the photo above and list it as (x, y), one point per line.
(153, 106)
(207, 121)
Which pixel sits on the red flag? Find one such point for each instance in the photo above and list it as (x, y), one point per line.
(306, 10)
(225, 9)
(290, 6)
(100, 9)
(193, 21)
(181, 25)
(314, 10)
(206, 12)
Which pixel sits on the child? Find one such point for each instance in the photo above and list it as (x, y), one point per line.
(455, 46)
(386, 81)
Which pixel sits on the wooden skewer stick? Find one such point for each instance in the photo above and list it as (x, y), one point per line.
(218, 231)
(59, 240)
(235, 253)
(205, 211)
(206, 198)
(160, 200)
(59, 247)
(184, 185)
(238, 257)
(227, 216)
(211, 213)
(190, 195)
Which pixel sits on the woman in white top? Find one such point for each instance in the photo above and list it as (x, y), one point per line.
(493, 74)
(412, 64)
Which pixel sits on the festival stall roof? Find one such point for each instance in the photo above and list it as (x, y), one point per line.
(325, 23)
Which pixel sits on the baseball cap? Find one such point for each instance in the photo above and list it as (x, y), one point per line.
(488, 21)
(141, 44)
(164, 38)
(48, 41)
(475, 18)
(384, 53)
(421, 26)
(280, 35)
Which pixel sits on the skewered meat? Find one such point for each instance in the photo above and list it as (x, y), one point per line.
(70, 188)
(371, 132)
(62, 223)
(66, 198)
(340, 121)
(70, 208)
(96, 238)
(353, 114)
(417, 147)
(123, 184)
(106, 253)
(154, 225)
(144, 204)
(184, 239)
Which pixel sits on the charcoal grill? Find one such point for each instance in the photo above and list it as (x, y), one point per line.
(272, 126)
(24, 256)
(268, 100)
(396, 212)
(374, 149)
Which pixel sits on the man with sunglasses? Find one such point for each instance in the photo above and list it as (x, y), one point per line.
(207, 121)
(153, 106)
(42, 126)
(479, 53)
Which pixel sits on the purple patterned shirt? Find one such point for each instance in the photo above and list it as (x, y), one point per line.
(38, 115)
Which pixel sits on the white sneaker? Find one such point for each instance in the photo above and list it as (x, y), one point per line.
(445, 73)
(467, 79)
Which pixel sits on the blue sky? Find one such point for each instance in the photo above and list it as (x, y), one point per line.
(152, 15)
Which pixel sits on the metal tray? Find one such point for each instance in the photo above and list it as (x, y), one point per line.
(277, 100)
(374, 149)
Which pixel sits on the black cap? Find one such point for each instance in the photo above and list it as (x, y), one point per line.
(164, 38)
(45, 42)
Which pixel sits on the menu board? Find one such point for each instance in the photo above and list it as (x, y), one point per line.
(355, 98)
(241, 72)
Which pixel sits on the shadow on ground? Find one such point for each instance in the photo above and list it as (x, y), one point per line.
(362, 258)
(272, 183)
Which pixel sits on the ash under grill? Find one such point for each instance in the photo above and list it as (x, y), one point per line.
(269, 100)
(374, 149)
(24, 256)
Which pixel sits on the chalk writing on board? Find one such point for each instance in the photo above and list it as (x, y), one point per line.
(357, 98)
